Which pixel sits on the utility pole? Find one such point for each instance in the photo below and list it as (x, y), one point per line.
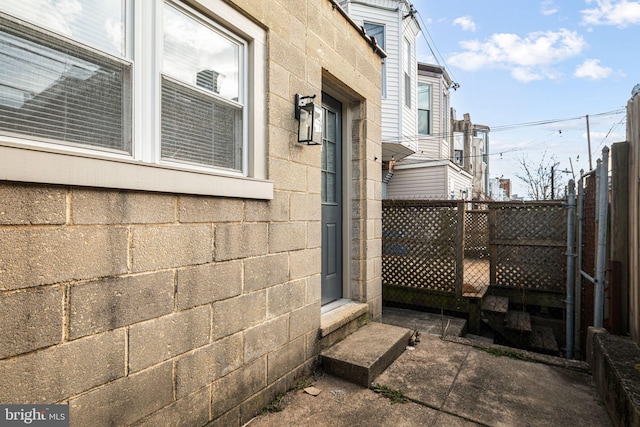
(589, 143)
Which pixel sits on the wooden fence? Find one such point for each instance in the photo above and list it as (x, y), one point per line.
(443, 252)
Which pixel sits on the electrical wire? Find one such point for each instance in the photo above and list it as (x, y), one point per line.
(611, 129)
(426, 33)
(446, 135)
(503, 128)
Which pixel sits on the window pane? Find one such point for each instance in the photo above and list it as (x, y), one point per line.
(376, 31)
(198, 128)
(424, 122)
(407, 90)
(199, 55)
(99, 23)
(424, 97)
(54, 90)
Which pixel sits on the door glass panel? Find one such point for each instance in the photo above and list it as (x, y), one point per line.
(329, 160)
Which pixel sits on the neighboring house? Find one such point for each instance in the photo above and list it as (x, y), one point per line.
(432, 171)
(169, 253)
(395, 28)
(500, 189)
(471, 152)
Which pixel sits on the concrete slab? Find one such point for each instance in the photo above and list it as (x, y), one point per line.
(453, 384)
(426, 373)
(501, 391)
(426, 323)
(363, 355)
(343, 404)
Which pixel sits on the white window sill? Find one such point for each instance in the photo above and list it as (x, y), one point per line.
(28, 165)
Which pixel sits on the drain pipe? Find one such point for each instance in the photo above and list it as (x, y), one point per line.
(603, 199)
(571, 229)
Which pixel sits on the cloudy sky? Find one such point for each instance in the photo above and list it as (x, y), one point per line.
(533, 69)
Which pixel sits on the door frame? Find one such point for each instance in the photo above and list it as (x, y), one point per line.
(332, 285)
(347, 191)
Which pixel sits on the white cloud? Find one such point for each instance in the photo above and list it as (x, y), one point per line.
(620, 13)
(591, 69)
(548, 7)
(466, 23)
(526, 75)
(529, 58)
(427, 59)
(56, 16)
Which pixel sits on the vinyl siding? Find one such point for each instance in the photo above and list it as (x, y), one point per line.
(459, 179)
(389, 18)
(399, 123)
(422, 182)
(435, 147)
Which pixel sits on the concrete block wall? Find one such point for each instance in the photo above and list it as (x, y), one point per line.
(140, 308)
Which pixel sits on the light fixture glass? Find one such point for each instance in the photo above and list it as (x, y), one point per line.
(309, 117)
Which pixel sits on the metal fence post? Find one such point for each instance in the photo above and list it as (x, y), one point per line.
(602, 198)
(577, 338)
(571, 208)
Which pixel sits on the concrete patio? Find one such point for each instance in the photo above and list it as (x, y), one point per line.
(453, 382)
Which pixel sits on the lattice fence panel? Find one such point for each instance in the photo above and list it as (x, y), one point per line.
(533, 267)
(476, 234)
(530, 222)
(530, 242)
(419, 240)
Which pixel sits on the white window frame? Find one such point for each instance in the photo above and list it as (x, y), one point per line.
(26, 160)
(384, 60)
(430, 110)
(407, 73)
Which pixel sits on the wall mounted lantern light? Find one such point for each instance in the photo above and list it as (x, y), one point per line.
(309, 117)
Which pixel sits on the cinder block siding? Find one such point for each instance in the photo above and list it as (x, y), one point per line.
(157, 309)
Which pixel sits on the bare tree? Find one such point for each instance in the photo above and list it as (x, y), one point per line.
(541, 181)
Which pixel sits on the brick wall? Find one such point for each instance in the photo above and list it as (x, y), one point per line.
(159, 309)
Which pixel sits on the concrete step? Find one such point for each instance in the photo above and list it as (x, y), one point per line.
(544, 340)
(519, 320)
(366, 353)
(495, 304)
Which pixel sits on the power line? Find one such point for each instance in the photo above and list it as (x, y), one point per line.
(503, 128)
(611, 129)
(426, 33)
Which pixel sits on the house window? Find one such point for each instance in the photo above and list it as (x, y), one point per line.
(54, 89)
(202, 94)
(378, 31)
(407, 73)
(156, 96)
(458, 156)
(445, 115)
(424, 109)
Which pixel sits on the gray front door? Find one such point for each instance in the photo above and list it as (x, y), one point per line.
(331, 199)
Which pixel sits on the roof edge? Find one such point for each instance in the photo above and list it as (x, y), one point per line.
(370, 40)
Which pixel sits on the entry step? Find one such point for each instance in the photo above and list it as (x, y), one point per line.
(366, 353)
(519, 320)
(495, 304)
